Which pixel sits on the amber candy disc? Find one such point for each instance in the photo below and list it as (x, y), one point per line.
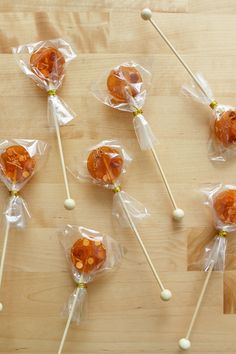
(16, 163)
(225, 128)
(126, 79)
(48, 62)
(88, 255)
(225, 206)
(105, 164)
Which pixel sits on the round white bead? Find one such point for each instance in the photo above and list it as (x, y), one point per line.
(184, 343)
(166, 295)
(69, 204)
(178, 214)
(1, 306)
(146, 14)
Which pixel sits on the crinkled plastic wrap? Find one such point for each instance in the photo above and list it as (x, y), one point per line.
(222, 201)
(105, 253)
(136, 210)
(124, 87)
(19, 161)
(222, 142)
(45, 63)
(103, 165)
(121, 154)
(215, 253)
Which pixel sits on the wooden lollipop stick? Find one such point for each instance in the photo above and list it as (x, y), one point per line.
(146, 15)
(178, 213)
(68, 321)
(165, 293)
(69, 203)
(4, 249)
(184, 343)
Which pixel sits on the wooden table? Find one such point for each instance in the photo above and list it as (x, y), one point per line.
(125, 312)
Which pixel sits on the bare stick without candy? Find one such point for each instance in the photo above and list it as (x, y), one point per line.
(4, 249)
(146, 15)
(184, 343)
(69, 203)
(165, 293)
(178, 213)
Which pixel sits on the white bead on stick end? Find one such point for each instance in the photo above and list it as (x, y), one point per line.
(69, 204)
(146, 14)
(166, 295)
(178, 214)
(184, 343)
(1, 306)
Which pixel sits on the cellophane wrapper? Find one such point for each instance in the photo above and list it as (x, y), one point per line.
(144, 133)
(58, 110)
(217, 151)
(211, 191)
(82, 173)
(216, 249)
(136, 210)
(123, 203)
(215, 253)
(16, 211)
(114, 254)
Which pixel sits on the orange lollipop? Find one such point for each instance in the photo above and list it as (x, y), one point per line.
(225, 206)
(225, 128)
(17, 165)
(105, 164)
(88, 255)
(124, 79)
(48, 62)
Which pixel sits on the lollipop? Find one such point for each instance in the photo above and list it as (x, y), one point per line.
(222, 200)
(19, 160)
(104, 165)
(89, 253)
(45, 63)
(126, 89)
(223, 124)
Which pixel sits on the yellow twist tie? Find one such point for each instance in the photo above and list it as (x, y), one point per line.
(222, 233)
(213, 104)
(117, 189)
(14, 193)
(82, 285)
(52, 92)
(137, 112)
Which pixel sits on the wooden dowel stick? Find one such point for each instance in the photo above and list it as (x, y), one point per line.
(146, 15)
(164, 178)
(69, 203)
(3, 255)
(185, 343)
(178, 213)
(165, 293)
(68, 321)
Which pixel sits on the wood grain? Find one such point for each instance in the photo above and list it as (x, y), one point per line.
(125, 313)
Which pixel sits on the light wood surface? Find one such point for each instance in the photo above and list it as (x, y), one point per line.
(125, 312)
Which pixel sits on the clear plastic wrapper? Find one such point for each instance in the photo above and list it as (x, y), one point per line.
(215, 253)
(124, 87)
(222, 142)
(45, 62)
(19, 161)
(222, 201)
(89, 254)
(103, 165)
